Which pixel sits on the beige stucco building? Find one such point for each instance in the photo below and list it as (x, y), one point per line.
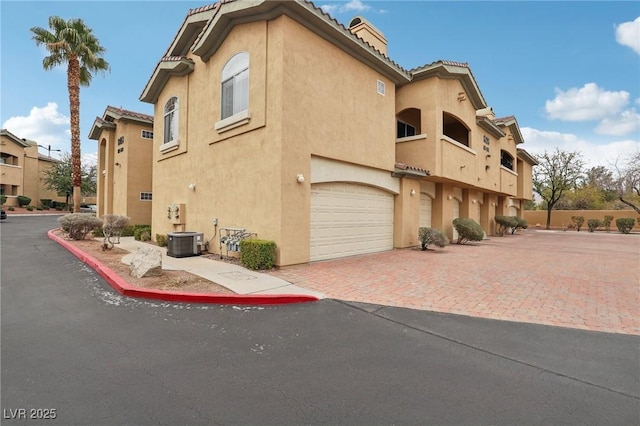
(22, 170)
(125, 143)
(272, 117)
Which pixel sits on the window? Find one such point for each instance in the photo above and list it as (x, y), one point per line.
(506, 160)
(171, 121)
(146, 196)
(404, 130)
(380, 87)
(146, 134)
(235, 85)
(455, 129)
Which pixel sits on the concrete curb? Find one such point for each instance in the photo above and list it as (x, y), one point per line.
(126, 289)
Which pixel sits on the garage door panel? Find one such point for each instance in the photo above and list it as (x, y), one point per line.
(349, 219)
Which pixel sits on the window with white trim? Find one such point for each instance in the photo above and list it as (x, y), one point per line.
(171, 121)
(235, 85)
(146, 134)
(380, 87)
(404, 130)
(146, 196)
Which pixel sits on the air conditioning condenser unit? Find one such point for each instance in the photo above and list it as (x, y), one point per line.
(184, 244)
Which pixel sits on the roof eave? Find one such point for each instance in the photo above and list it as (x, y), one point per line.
(164, 70)
(188, 32)
(14, 138)
(463, 74)
(234, 13)
(527, 157)
(99, 125)
(490, 127)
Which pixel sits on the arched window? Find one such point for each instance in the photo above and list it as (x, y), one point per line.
(455, 129)
(235, 85)
(506, 160)
(171, 121)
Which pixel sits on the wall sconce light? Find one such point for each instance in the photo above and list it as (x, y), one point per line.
(449, 197)
(300, 178)
(487, 167)
(473, 201)
(412, 192)
(463, 166)
(192, 186)
(104, 173)
(118, 164)
(488, 156)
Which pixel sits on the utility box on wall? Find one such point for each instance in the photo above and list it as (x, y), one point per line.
(176, 214)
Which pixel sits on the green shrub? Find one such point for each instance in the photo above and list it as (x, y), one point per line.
(45, 202)
(78, 225)
(30, 208)
(257, 254)
(161, 240)
(505, 223)
(23, 201)
(45, 208)
(468, 230)
(145, 235)
(3, 199)
(10, 208)
(59, 208)
(98, 232)
(139, 230)
(625, 224)
(428, 236)
(577, 221)
(38, 208)
(593, 224)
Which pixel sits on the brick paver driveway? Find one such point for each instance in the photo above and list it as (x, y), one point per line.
(572, 279)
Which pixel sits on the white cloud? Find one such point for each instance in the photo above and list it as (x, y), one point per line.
(46, 126)
(586, 103)
(628, 34)
(351, 6)
(594, 154)
(624, 124)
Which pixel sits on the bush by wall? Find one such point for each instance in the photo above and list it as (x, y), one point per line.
(577, 221)
(593, 224)
(139, 230)
(625, 224)
(45, 202)
(78, 225)
(23, 201)
(112, 227)
(468, 230)
(30, 208)
(607, 222)
(257, 254)
(428, 236)
(161, 240)
(505, 223)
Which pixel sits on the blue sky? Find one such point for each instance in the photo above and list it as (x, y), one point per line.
(569, 71)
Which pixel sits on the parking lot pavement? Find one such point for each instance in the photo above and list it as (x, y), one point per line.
(581, 280)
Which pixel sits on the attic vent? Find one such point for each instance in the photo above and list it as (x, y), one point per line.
(381, 87)
(354, 21)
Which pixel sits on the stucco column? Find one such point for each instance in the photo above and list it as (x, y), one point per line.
(487, 214)
(406, 218)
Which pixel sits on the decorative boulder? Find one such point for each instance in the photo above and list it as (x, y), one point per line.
(146, 262)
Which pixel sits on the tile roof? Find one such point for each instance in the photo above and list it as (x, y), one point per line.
(129, 114)
(503, 120)
(408, 168)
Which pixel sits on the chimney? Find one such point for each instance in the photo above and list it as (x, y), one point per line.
(367, 32)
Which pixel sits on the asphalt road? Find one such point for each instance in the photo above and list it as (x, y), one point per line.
(74, 349)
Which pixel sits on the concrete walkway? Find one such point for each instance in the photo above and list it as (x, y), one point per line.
(236, 278)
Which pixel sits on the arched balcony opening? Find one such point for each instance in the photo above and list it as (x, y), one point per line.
(455, 129)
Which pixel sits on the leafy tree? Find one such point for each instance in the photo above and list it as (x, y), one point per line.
(59, 178)
(556, 173)
(428, 236)
(73, 44)
(629, 182)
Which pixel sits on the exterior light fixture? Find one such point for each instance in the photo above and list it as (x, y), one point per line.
(300, 178)
(412, 192)
(192, 186)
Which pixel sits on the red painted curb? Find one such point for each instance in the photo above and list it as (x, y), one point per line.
(126, 289)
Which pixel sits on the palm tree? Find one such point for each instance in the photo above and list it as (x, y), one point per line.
(74, 44)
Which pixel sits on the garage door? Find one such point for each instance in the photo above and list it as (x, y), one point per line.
(513, 211)
(425, 210)
(455, 213)
(349, 219)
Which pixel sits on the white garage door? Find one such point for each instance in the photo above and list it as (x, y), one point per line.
(425, 210)
(349, 219)
(513, 211)
(455, 213)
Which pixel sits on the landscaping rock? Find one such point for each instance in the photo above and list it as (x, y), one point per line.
(146, 262)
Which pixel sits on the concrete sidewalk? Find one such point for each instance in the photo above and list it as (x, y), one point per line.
(236, 278)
